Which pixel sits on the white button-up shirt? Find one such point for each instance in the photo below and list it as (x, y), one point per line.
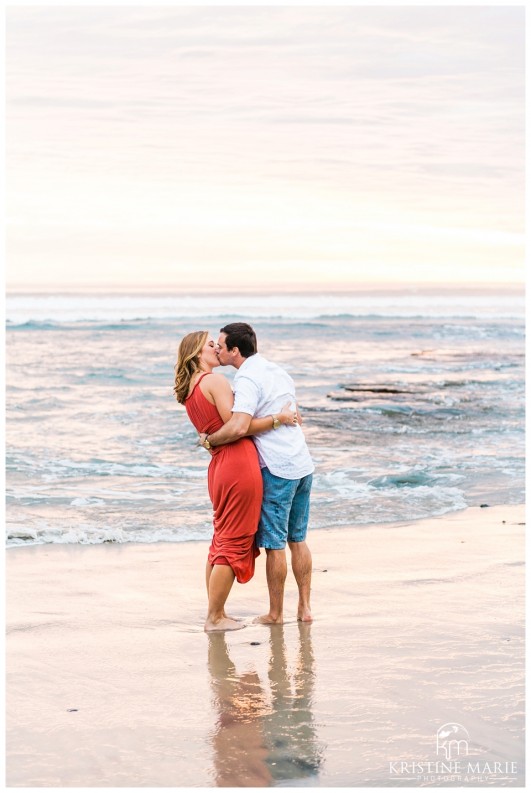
(262, 388)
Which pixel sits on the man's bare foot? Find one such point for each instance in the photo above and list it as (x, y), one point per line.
(223, 624)
(304, 615)
(267, 619)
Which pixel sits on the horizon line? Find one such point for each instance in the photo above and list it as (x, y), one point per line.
(340, 287)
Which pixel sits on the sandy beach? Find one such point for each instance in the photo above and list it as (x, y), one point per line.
(111, 681)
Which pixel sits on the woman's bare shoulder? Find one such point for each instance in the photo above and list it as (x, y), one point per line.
(216, 382)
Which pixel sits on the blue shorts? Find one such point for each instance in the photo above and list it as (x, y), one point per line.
(285, 511)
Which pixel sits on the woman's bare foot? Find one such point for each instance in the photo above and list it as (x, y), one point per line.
(267, 619)
(223, 624)
(304, 615)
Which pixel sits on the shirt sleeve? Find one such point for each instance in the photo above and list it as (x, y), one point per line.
(246, 396)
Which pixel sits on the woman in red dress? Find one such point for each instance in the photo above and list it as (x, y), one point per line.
(234, 478)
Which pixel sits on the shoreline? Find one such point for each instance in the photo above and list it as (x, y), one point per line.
(363, 287)
(112, 681)
(361, 527)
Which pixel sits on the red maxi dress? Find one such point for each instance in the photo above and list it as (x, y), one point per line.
(235, 489)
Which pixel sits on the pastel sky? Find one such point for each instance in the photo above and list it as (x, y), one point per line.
(264, 146)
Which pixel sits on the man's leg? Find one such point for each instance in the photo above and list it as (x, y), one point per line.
(301, 563)
(301, 558)
(276, 571)
(272, 534)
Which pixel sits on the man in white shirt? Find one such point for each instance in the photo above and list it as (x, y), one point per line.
(262, 388)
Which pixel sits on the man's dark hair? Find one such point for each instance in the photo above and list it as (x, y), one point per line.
(242, 336)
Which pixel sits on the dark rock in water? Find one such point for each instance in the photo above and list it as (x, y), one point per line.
(357, 392)
(484, 505)
(71, 710)
(339, 397)
(253, 644)
(378, 389)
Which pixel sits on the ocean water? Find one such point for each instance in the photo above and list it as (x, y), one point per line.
(413, 405)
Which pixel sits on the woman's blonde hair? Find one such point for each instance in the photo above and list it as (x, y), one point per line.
(188, 362)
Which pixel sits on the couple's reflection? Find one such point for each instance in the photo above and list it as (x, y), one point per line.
(264, 734)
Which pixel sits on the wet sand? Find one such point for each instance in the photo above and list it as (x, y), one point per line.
(111, 681)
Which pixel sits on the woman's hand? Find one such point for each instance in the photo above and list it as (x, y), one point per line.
(288, 416)
(201, 441)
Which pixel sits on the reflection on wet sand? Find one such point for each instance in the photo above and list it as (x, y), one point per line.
(289, 729)
(239, 753)
(264, 734)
